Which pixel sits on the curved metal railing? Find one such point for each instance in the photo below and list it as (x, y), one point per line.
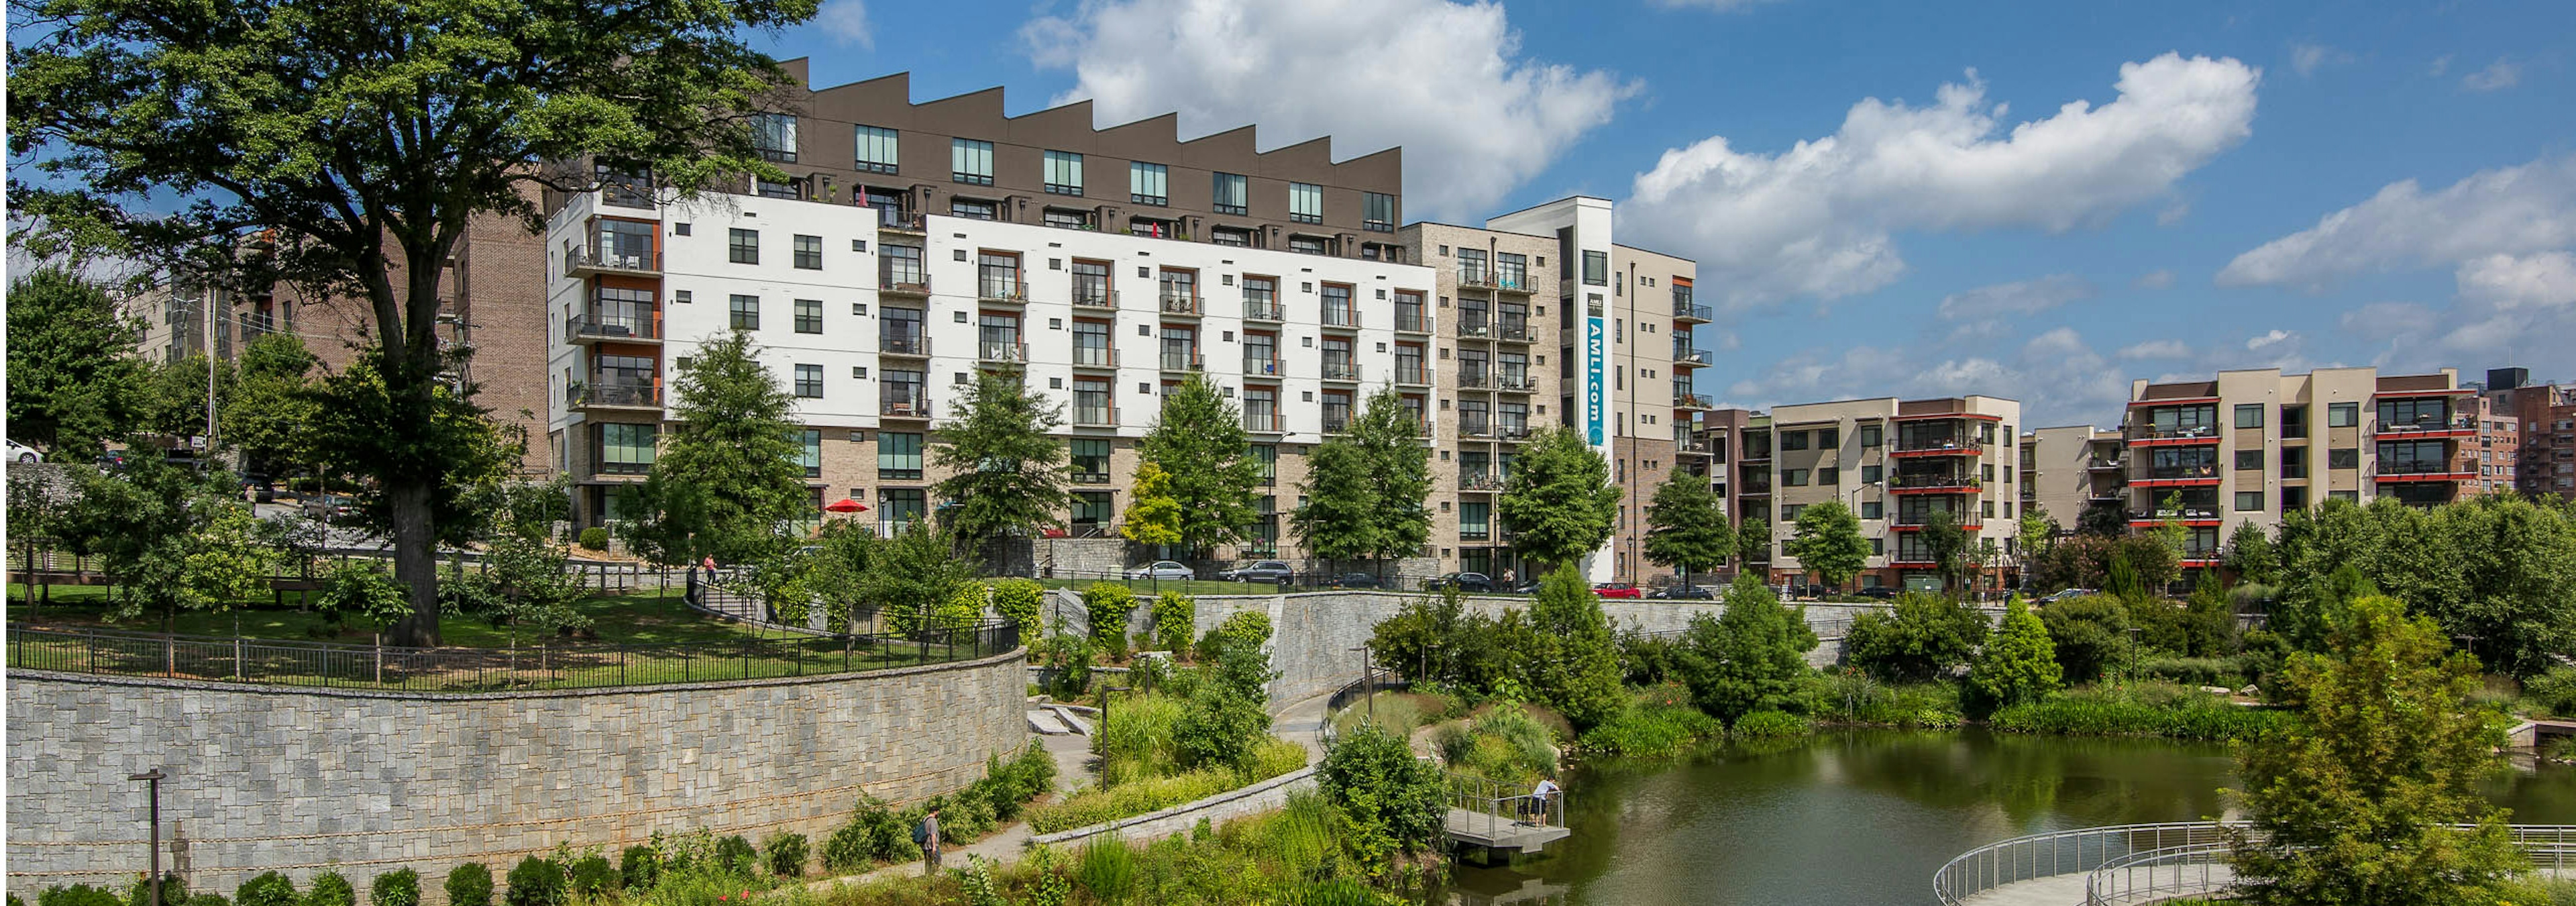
(2160, 874)
(2136, 863)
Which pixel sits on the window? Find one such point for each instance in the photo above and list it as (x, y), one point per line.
(2249, 460)
(1832, 475)
(1231, 194)
(809, 450)
(1307, 245)
(2413, 412)
(2345, 496)
(1230, 236)
(2249, 415)
(899, 264)
(1872, 509)
(743, 246)
(1063, 173)
(791, 189)
(1091, 460)
(2294, 462)
(898, 456)
(2343, 458)
(1871, 436)
(809, 316)
(1305, 202)
(1596, 268)
(970, 161)
(898, 507)
(972, 209)
(1092, 509)
(1793, 440)
(809, 252)
(626, 449)
(2294, 499)
(1829, 438)
(774, 135)
(1475, 521)
(1872, 474)
(746, 312)
(2249, 501)
(2343, 415)
(809, 382)
(1091, 344)
(877, 150)
(1148, 183)
(1796, 478)
(1377, 212)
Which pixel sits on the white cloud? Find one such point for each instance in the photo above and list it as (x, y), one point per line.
(2056, 376)
(2273, 337)
(2509, 211)
(2545, 280)
(846, 21)
(1816, 219)
(2308, 58)
(2441, 64)
(2155, 279)
(2026, 297)
(2499, 75)
(1445, 80)
(2156, 349)
(2387, 320)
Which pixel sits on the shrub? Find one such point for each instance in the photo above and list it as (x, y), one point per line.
(1022, 602)
(269, 889)
(85, 895)
(330, 888)
(400, 887)
(1769, 725)
(535, 882)
(469, 884)
(1923, 637)
(1071, 656)
(595, 538)
(872, 833)
(194, 899)
(2103, 716)
(1174, 617)
(1245, 628)
(2091, 634)
(174, 892)
(2019, 663)
(1107, 869)
(639, 867)
(2553, 692)
(1107, 605)
(1393, 801)
(593, 877)
(786, 854)
(734, 855)
(2230, 671)
(1657, 728)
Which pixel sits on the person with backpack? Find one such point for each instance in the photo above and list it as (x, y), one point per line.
(926, 834)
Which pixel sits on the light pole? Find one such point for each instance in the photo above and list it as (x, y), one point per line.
(1368, 680)
(154, 777)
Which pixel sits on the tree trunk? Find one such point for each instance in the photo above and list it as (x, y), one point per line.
(415, 561)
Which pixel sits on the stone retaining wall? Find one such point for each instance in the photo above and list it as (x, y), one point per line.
(300, 780)
(1266, 796)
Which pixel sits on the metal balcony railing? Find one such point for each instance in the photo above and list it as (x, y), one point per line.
(992, 290)
(1340, 317)
(1337, 423)
(1002, 352)
(1264, 367)
(617, 327)
(903, 344)
(1475, 277)
(619, 393)
(904, 405)
(2166, 473)
(1512, 331)
(1412, 374)
(1475, 329)
(1095, 416)
(1412, 323)
(1512, 431)
(1261, 424)
(2189, 513)
(900, 220)
(1475, 380)
(1479, 481)
(2424, 425)
(1475, 427)
(2420, 467)
(1180, 304)
(594, 258)
(1683, 309)
(1687, 356)
(1912, 482)
(2151, 432)
(1521, 382)
(1341, 371)
(1183, 361)
(1262, 311)
(1095, 357)
(1094, 296)
(1690, 401)
(915, 284)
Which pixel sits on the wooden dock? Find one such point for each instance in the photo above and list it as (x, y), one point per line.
(1500, 833)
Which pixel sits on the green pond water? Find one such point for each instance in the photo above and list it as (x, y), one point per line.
(1864, 817)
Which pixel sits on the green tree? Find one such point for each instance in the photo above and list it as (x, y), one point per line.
(1393, 801)
(1686, 525)
(1949, 547)
(1153, 514)
(2209, 621)
(168, 124)
(143, 521)
(175, 395)
(1106, 607)
(915, 570)
(2091, 634)
(1199, 442)
(1365, 488)
(1577, 668)
(2102, 520)
(73, 381)
(2251, 556)
(837, 572)
(1923, 637)
(1005, 466)
(274, 403)
(228, 560)
(2356, 802)
(726, 483)
(1750, 656)
(1828, 543)
(2019, 663)
(1752, 541)
(1558, 501)
(2037, 531)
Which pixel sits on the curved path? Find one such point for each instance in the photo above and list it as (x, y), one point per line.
(2144, 863)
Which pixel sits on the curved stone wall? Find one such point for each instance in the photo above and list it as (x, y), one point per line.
(297, 780)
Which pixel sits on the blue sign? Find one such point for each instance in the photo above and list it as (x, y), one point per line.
(1596, 403)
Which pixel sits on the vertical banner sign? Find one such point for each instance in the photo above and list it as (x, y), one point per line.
(1596, 403)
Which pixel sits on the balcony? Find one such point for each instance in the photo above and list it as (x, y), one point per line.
(583, 261)
(1754, 489)
(2114, 464)
(1411, 323)
(1094, 297)
(1933, 484)
(2179, 477)
(1475, 330)
(1683, 310)
(1263, 311)
(1258, 423)
(1081, 476)
(1341, 371)
(1474, 277)
(1259, 367)
(994, 352)
(1412, 374)
(1184, 304)
(2151, 435)
(898, 220)
(1684, 357)
(1512, 331)
(1475, 427)
(2426, 429)
(1095, 357)
(1006, 292)
(1095, 416)
(592, 328)
(1694, 445)
(617, 395)
(1935, 446)
(900, 284)
(1479, 481)
(2392, 470)
(2191, 516)
(1915, 521)
(1183, 361)
(907, 345)
(1512, 431)
(1691, 401)
(1475, 380)
(898, 404)
(1341, 318)
(1515, 383)
(1337, 422)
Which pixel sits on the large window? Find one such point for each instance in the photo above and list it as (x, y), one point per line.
(898, 456)
(1091, 460)
(1063, 173)
(1091, 402)
(1377, 212)
(809, 316)
(809, 252)
(899, 330)
(972, 209)
(1511, 270)
(1232, 194)
(2249, 415)
(2413, 412)
(2412, 457)
(1596, 268)
(903, 393)
(809, 382)
(877, 150)
(1261, 298)
(742, 246)
(746, 312)
(1337, 307)
(1092, 512)
(2343, 415)
(1475, 521)
(1148, 183)
(1265, 460)
(899, 264)
(970, 161)
(1305, 202)
(626, 449)
(1261, 413)
(774, 134)
(1090, 282)
(998, 275)
(625, 243)
(809, 449)
(1091, 344)
(898, 507)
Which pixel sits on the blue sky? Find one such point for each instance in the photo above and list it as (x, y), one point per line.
(1978, 237)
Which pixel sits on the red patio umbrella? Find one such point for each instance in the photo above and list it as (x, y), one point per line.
(846, 505)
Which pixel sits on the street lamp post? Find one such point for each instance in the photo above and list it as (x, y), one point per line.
(1368, 680)
(154, 777)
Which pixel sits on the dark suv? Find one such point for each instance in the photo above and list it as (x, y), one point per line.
(1257, 571)
(1462, 581)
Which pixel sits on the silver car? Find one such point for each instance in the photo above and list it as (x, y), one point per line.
(1162, 569)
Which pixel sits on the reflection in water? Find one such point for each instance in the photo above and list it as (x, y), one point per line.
(1865, 816)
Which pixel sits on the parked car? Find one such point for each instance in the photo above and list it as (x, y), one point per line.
(1526, 587)
(1355, 580)
(1617, 590)
(330, 506)
(1162, 569)
(2068, 593)
(1460, 581)
(1681, 593)
(20, 453)
(1258, 571)
(1880, 592)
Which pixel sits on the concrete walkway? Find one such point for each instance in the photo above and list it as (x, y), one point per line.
(2053, 890)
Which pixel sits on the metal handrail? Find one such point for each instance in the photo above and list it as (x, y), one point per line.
(1497, 805)
(2121, 860)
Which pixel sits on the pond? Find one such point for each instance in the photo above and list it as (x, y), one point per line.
(1864, 817)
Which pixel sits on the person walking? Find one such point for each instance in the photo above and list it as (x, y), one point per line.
(1539, 796)
(928, 836)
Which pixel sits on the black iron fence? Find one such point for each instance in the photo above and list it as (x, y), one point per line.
(542, 666)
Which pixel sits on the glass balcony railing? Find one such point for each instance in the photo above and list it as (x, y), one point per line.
(1095, 357)
(1259, 367)
(1341, 371)
(1258, 310)
(1002, 352)
(617, 327)
(1094, 296)
(901, 404)
(1174, 360)
(906, 344)
(619, 393)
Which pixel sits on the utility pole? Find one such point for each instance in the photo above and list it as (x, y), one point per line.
(154, 777)
(211, 295)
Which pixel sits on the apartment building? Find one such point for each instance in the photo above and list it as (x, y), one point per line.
(1894, 463)
(1489, 343)
(2068, 469)
(2543, 419)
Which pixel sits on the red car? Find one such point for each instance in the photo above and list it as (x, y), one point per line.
(1617, 590)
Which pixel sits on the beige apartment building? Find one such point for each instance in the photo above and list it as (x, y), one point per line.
(2068, 468)
(1894, 463)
